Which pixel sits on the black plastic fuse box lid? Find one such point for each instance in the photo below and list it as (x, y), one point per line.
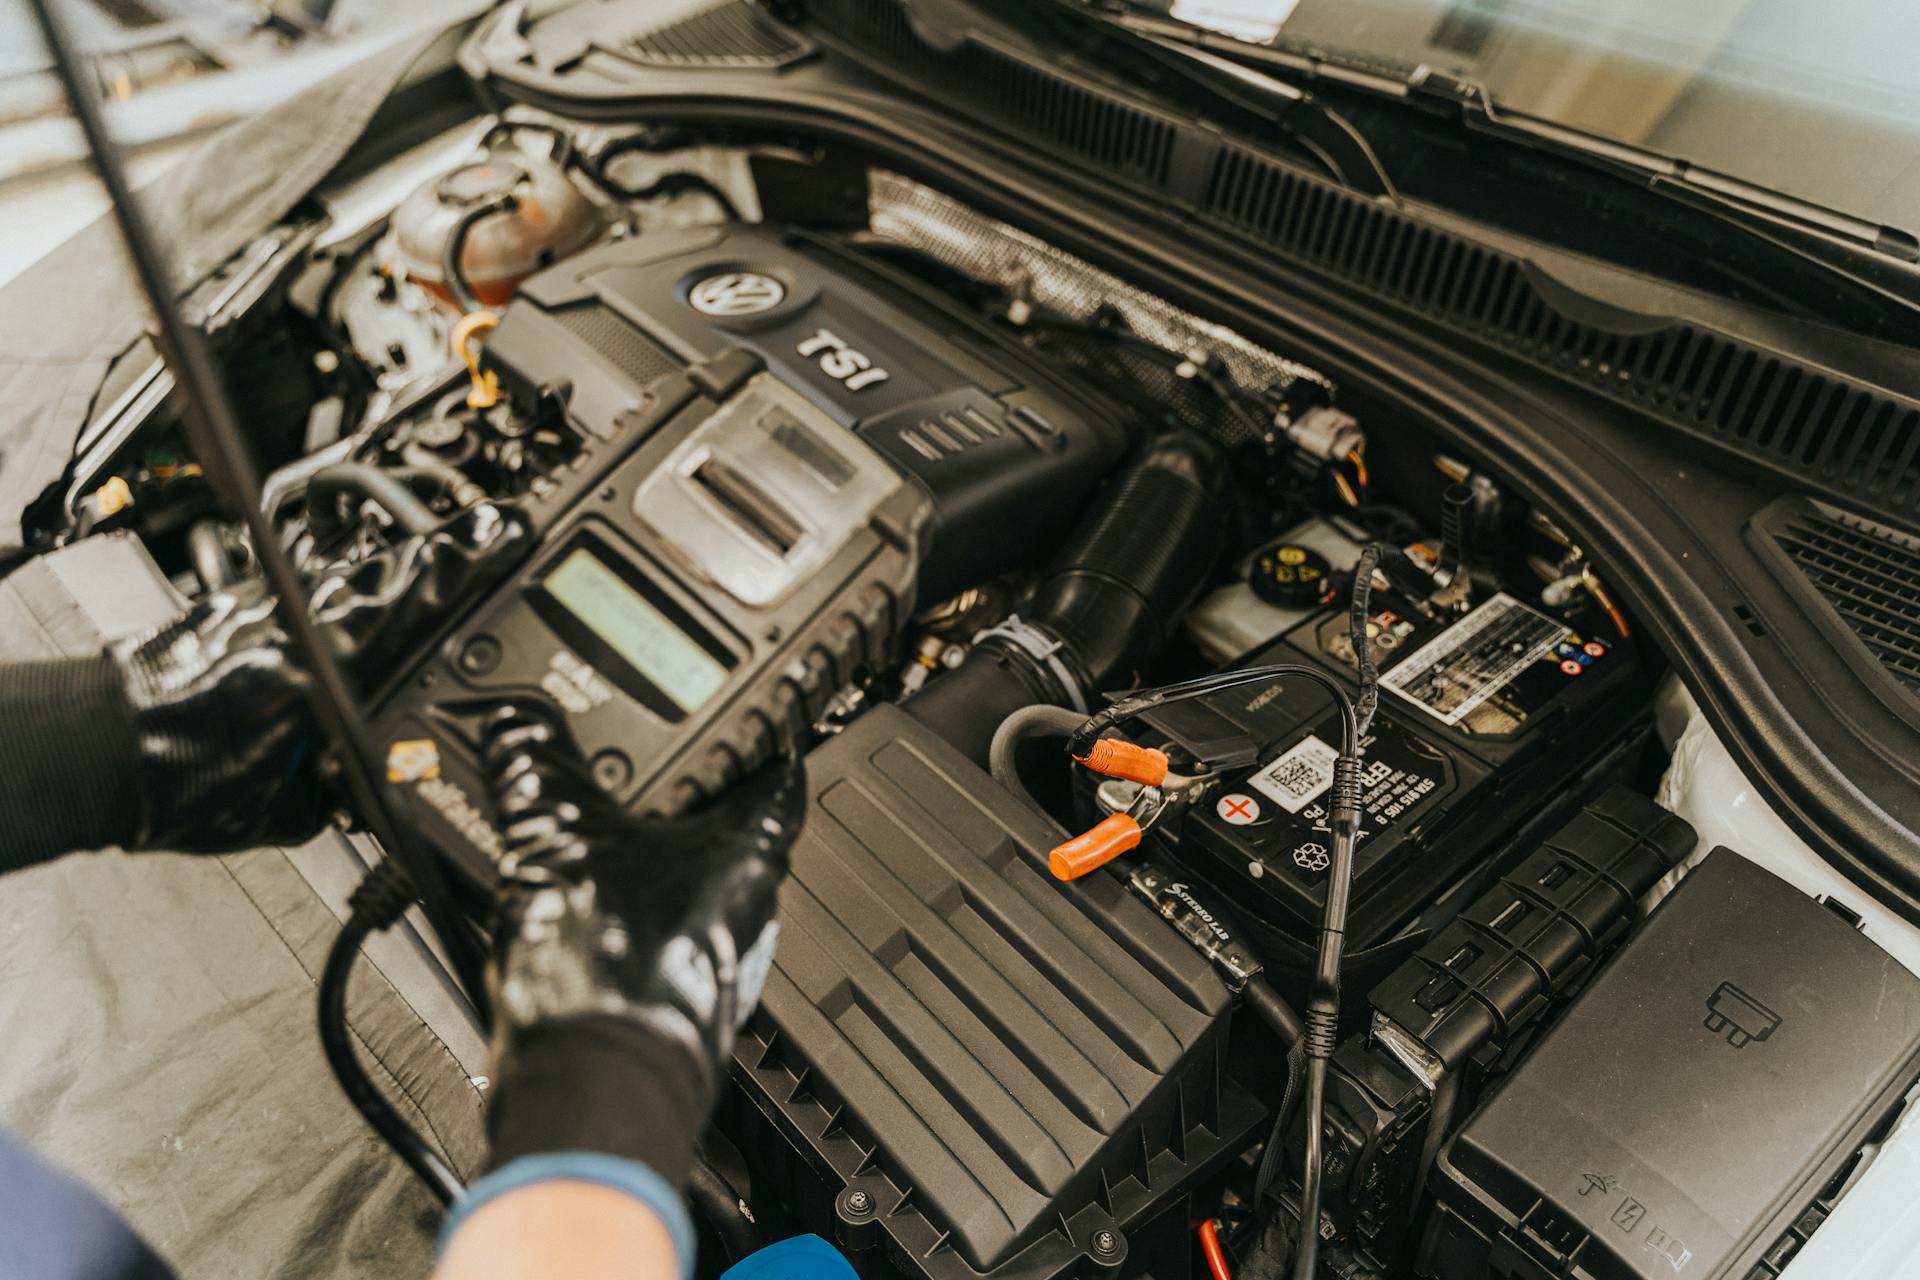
(1691, 1101)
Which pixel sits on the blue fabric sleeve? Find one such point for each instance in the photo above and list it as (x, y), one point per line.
(630, 1176)
(53, 1228)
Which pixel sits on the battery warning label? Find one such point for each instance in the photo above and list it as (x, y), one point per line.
(1297, 776)
(1474, 658)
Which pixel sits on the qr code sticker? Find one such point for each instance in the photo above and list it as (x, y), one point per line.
(1298, 776)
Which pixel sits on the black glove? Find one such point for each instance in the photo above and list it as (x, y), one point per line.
(225, 737)
(222, 729)
(223, 744)
(631, 950)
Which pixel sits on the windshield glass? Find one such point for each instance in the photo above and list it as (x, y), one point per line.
(1817, 99)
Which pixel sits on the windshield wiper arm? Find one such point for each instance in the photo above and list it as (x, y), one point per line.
(1858, 249)
(1315, 126)
(1327, 135)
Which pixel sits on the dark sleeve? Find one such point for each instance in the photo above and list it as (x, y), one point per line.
(54, 1228)
(69, 760)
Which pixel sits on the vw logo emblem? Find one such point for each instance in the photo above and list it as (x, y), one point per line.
(736, 293)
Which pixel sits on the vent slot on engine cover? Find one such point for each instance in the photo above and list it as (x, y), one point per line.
(1005, 1067)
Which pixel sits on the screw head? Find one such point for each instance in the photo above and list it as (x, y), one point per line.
(612, 770)
(859, 1203)
(480, 655)
(1105, 1242)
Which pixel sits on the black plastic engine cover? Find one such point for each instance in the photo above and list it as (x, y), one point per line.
(1007, 452)
(1006, 1066)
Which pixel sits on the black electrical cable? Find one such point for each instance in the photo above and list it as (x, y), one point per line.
(1200, 686)
(1279, 1015)
(1283, 1114)
(1321, 1023)
(714, 1199)
(1323, 1004)
(1446, 1097)
(381, 899)
(212, 425)
(1358, 618)
(1275, 1012)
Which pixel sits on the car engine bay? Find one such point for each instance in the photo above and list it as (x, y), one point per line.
(1068, 596)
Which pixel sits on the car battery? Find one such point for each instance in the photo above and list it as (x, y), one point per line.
(1494, 723)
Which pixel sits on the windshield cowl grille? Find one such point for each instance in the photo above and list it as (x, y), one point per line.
(1828, 432)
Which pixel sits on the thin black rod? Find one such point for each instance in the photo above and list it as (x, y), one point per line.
(213, 429)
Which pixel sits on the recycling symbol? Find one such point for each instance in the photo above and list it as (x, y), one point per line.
(1311, 856)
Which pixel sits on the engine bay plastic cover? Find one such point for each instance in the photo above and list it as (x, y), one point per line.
(1007, 452)
(1006, 1066)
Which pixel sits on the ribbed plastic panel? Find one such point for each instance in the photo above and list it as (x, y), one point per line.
(1840, 436)
(1806, 422)
(632, 352)
(733, 33)
(1866, 573)
(1006, 1066)
(1076, 115)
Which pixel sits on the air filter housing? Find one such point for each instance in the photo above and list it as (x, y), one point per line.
(957, 1059)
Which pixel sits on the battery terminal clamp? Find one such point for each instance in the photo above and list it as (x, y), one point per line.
(1160, 790)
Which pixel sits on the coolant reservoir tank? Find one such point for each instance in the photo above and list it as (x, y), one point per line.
(549, 218)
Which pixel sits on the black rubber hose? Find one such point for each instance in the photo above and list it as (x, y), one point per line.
(385, 488)
(452, 274)
(715, 1200)
(1024, 725)
(1120, 584)
(968, 704)
(669, 184)
(381, 899)
(1125, 576)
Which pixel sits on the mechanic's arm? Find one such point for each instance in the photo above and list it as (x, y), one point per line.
(631, 952)
(194, 738)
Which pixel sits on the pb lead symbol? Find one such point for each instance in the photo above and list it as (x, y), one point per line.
(1736, 1015)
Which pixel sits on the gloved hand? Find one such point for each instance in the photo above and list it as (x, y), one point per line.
(225, 743)
(631, 950)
